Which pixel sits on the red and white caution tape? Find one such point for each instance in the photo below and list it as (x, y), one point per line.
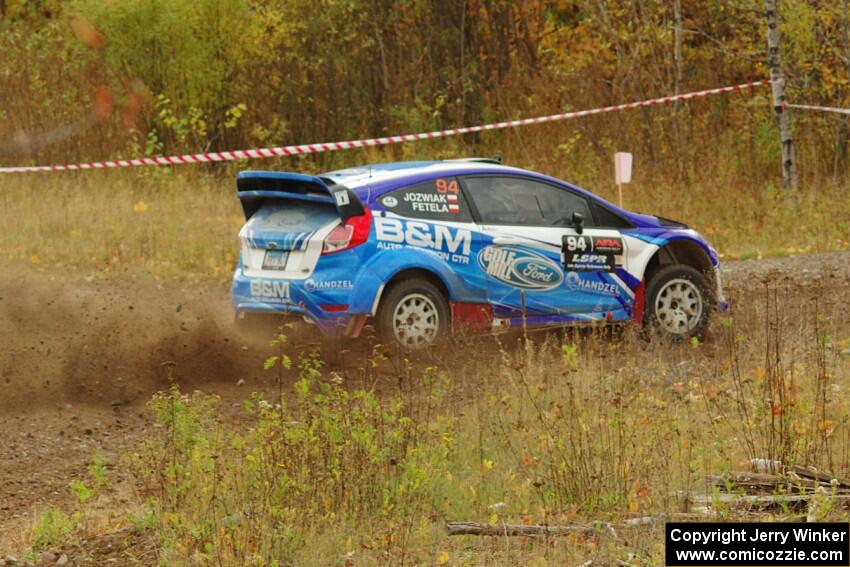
(821, 108)
(334, 146)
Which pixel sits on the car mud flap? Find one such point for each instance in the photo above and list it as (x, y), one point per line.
(638, 307)
(475, 317)
(355, 326)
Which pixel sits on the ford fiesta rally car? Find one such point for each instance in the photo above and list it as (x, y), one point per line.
(429, 248)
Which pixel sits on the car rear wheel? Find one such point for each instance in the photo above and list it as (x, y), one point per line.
(679, 301)
(414, 314)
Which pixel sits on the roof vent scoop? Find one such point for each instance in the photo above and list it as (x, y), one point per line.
(494, 159)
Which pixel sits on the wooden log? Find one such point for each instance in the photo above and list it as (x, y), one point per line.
(766, 482)
(762, 501)
(819, 476)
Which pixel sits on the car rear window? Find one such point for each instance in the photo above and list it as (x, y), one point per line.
(291, 215)
(435, 199)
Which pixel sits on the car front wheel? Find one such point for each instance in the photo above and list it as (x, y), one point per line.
(414, 314)
(679, 302)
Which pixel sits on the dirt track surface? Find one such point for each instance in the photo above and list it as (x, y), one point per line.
(78, 360)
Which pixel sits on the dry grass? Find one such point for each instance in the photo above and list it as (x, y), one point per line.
(358, 468)
(561, 428)
(121, 223)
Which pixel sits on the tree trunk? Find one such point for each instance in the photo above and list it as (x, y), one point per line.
(682, 154)
(774, 63)
(677, 48)
(840, 163)
(463, 63)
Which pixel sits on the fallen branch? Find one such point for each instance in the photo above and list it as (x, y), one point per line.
(479, 529)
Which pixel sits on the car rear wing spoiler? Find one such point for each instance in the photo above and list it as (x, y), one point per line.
(254, 187)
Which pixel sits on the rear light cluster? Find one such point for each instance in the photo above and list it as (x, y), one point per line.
(353, 232)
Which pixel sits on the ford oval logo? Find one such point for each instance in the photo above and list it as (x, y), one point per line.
(519, 267)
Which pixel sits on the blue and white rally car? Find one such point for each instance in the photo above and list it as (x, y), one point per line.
(425, 249)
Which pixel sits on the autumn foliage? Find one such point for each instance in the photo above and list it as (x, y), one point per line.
(156, 76)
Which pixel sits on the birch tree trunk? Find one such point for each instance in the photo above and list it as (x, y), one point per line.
(677, 47)
(843, 130)
(774, 63)
(681, 153)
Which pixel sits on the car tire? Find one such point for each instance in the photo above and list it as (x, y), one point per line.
(413, 314)
(679, 301)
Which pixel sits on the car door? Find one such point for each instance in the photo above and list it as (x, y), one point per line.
(539, 268)
(434, 215)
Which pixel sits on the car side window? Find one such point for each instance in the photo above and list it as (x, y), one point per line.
(523, 201)
(435, 199)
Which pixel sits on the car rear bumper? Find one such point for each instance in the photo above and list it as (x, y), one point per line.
(327, 308)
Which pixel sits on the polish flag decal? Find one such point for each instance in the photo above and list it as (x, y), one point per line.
(454, 208)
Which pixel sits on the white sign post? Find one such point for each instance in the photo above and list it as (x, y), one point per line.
(622, 171)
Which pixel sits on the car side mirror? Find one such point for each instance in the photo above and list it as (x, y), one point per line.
(578, 222)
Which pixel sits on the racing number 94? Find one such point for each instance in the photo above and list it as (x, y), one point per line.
(577, 243)
(447, 187)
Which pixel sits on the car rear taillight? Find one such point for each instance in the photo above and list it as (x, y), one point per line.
(353, 232)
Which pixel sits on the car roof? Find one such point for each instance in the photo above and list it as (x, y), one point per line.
(371, 181)
(377, 178)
